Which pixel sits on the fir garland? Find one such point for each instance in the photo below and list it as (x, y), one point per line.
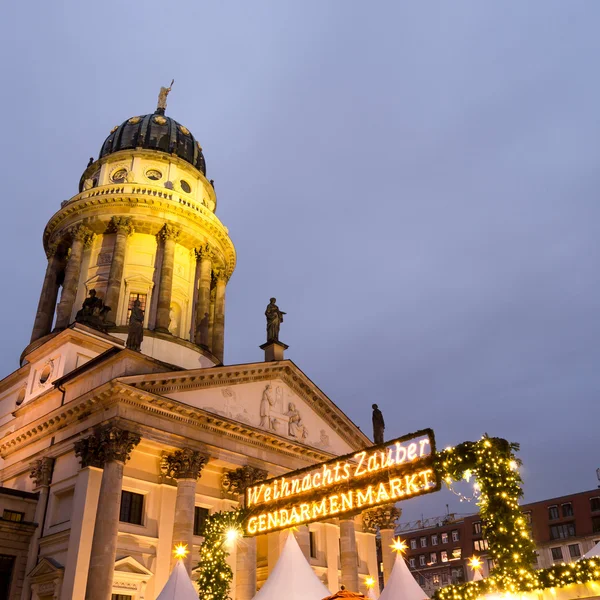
(493, 463)
(215, 574)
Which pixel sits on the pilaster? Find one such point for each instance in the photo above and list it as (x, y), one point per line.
(348, 555)
(123, 228)
(219, 322)
(47, 303)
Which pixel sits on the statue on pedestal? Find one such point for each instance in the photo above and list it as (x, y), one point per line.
(136, 326)
(93, 312)
(378, 425)
(274, 320)
(162, 98)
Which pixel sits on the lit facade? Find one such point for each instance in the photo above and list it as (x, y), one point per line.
(113, 455)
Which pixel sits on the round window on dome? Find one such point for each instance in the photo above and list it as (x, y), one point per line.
(119, 175)
(153, 174)
(185, 186)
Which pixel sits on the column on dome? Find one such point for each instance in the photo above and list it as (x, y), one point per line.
(218, 342)
(41, 474)
(235, 483)
(348, 554)
(211, 314)
(206, 259)
(185, 466)
(45, 312)
(383, 519)
(123, 228)
(169, 235)
(107, 448)
(81, 237)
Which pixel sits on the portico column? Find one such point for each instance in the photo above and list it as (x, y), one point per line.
(185, 466)
(203, 304)
(80, 235)
(235, 483)
(169, 235)
(108, 447)
(47, 304)
(123, 228)
(219, 326)
(41, 473)
(348, 555)
(383, 519)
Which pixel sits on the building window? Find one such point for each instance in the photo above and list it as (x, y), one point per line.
(413, 544)
(458, 575)
(560, 532)
(456, 553)
(574, 550)
(556, 553)
(13, 515)
(423, 542)
(313, 544)
(422, 560)
(455, 536)
(132, 298)
(536, 558)
(480, 545)
(132, 505)
(477, 528)
(121, 597)
(444, 578)
(435, 579)
(491, 564)
(444, 556)
(444, 538)
(595, 524)
(200, 514)
(553, 513)
(567, 509)
(595, 503)
(412, 563)
(527, 516)
(434, 539)
(433, 558)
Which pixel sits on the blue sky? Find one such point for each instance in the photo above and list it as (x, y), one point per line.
(416, 182)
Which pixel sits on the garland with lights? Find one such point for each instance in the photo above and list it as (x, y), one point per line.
(493, 463)
(215, 574)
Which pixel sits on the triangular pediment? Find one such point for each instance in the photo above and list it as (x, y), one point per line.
(131, 566)
(274, 397)
(46, 566)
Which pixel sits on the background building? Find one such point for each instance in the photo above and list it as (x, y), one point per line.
(439, 549)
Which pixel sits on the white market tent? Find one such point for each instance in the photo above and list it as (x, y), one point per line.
(593, 553)
(292, 577)
(179, 585)
(401, 584)
(477, 576)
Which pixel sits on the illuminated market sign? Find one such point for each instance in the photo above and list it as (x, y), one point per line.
(382, 474)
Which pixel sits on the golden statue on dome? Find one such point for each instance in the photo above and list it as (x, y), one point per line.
(162, 98)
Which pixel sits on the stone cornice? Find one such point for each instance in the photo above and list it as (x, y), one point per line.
(154, 205)
(230, 375)
(115, 393)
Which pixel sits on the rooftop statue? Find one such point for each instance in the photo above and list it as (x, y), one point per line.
(162, 97)
(93, 312)
(274, 320)
(378, 425)
(135, 333)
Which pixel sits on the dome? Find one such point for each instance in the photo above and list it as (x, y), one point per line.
(155, 132)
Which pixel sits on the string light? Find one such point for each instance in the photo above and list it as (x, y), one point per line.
(399, 546)
(475, 563)
(181, 551)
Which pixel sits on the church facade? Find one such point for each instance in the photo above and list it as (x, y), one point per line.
(122, 429)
